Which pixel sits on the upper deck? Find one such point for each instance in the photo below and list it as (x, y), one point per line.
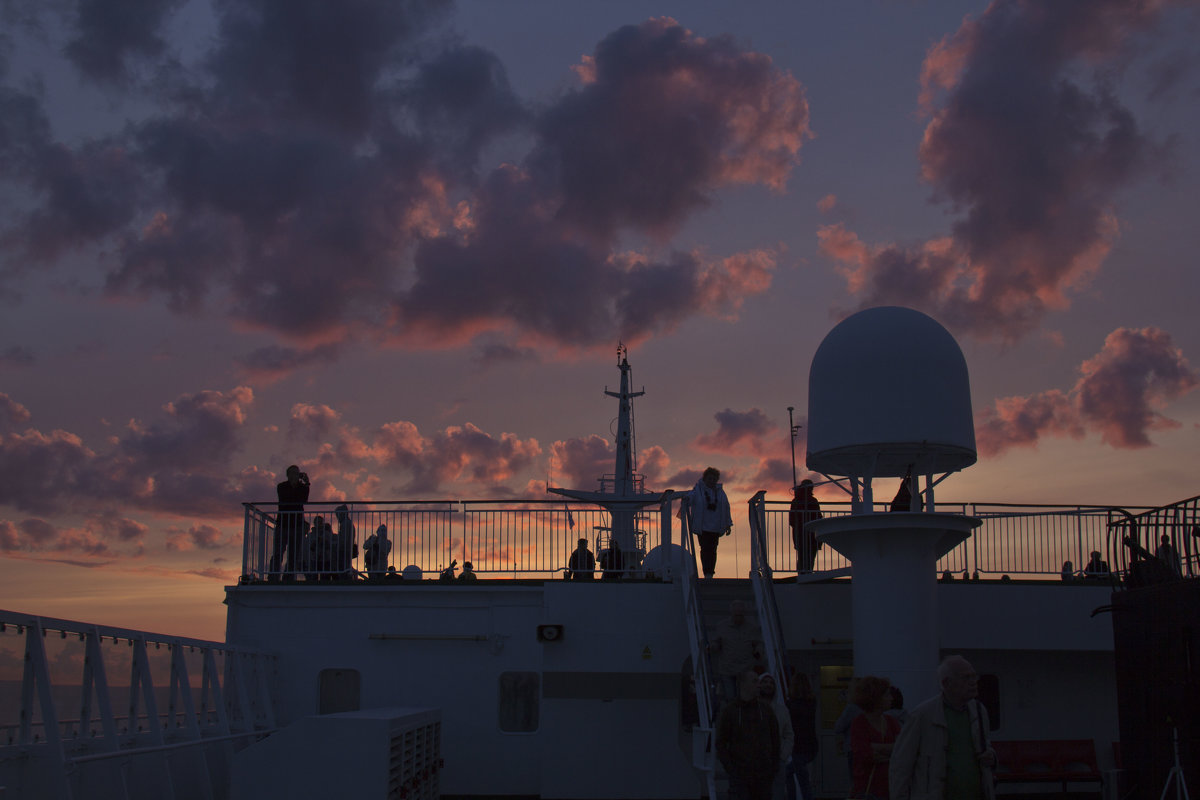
(531, 539)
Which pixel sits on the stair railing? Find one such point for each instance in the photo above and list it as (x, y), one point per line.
(703, 740)
(761, 580)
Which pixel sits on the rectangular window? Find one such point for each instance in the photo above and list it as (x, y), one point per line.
(519, 701)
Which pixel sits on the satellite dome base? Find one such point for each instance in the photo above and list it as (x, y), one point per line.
(894, 589)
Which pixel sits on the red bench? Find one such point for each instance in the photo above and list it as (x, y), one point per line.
(1051, 761)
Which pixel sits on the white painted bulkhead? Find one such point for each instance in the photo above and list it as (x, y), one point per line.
(608, 693)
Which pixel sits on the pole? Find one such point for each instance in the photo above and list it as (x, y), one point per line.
(792, 428)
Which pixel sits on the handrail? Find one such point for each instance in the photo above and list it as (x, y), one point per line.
(1166, 539)
(703, 737)
(762, 581)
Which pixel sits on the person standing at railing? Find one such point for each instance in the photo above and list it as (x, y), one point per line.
(711, 518)
(1167, 554)
(582, 565)
(375, 552)
(805, 509)
(289, 522)
(345, 549)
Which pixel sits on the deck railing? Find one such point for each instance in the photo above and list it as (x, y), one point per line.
(535, 539)
(1169, 535)
(98, 703)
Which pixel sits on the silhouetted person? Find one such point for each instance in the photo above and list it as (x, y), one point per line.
(319, 551)
(872, 735)
(747, 742)
(737, 646)
(804, 509)
(943, 751)
(1167, 554)
(1068, 571)
(1096, 568)
(345, 547)
(711, 517)
(289, 522)
(612, 561)
(468, 574)
(802, 708)
(903, 499)
(582, 566)
(375, 552)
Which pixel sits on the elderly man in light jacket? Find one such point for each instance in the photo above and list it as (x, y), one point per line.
(943, 753)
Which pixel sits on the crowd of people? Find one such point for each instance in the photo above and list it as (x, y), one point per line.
(939, 750)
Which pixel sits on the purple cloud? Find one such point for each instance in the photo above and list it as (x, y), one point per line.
(1118, 394)
(1031, 155)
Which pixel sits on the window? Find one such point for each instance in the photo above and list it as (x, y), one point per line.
(519, 697)
(337, 691)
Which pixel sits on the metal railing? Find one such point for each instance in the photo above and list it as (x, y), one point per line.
(1168, 536)
(1034, 541)
(703, 741)
(535, 539)
(375, 540)
(762, 581)
(65, 722)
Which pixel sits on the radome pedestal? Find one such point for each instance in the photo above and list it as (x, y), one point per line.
(894, 590)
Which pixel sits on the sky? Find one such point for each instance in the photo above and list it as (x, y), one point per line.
(398, 244)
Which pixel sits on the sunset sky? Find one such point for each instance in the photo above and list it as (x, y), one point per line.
(398, 243)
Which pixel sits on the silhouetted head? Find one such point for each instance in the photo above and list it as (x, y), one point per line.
(583, 544)
(766, 686)
(871, 694)
(293, 474)
(711, 476)
(800, 686)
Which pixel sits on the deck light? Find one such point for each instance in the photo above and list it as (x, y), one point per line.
(549, 633)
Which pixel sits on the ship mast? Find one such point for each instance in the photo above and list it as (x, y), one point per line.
(623, 478)
(627, 496)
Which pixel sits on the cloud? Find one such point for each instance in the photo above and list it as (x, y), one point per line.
(314, 174)
(177, 464)
(273, 362)
(312, 421)
(17, 356)
(199, 537)
(737, 429)
(663, 118)
(455, 454)
(1116, 396)
(34, 535)
(1030, 155)
(579, 463)
(12, 413)
(109, 38)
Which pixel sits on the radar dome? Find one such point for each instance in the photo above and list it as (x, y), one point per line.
(888, 391)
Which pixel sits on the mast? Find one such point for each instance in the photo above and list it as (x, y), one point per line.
(623, 481)
(626, 497)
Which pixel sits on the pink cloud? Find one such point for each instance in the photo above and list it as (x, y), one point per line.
(1117, 394)
(202, 537)
(1030, 155)
(179, 463)
(745, 429)
(312, 421)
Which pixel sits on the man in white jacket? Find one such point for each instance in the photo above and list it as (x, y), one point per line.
(711, 518)
(942, 753)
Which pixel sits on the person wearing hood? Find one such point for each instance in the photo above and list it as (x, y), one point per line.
(767, 690)
(710, 517)
(747, 742)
